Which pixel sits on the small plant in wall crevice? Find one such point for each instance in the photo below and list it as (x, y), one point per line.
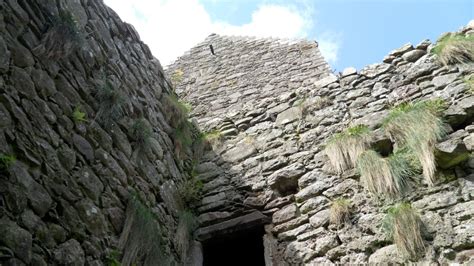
(340, 212)
(344, 148)
(454, 48)
(417, 127)
(62, 38)
(6, 161)
(111, 105)
(403, 224)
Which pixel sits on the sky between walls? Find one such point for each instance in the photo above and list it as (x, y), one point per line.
(350, 32)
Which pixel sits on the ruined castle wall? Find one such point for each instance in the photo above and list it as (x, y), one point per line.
(63, 201)
(276, 103)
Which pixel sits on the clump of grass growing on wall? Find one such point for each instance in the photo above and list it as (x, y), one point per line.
(455, 48)
(78, 115)
(340, 211)
(113, 258)
(403, 224)
(187, 224)
(344, 148)
(62, 38)
(141, 132)
(385, 176)
(182, 138)
(177, 76)
(190, 191)
(213, 138)
(175, 111)
(111, 102)
(141, 239)
(418, 126)
(6, 161)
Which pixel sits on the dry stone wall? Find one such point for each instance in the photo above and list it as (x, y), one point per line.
(275, 103)
(63, 200)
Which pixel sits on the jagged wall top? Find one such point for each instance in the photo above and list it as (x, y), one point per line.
(255, 69)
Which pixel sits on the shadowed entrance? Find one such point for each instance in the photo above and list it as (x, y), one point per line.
(235, 242)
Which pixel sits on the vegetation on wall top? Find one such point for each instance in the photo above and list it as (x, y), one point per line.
(455, 48)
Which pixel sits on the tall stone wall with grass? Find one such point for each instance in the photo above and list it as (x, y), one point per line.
(89, 171)
(374, 165)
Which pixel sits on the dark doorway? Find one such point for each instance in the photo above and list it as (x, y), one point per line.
(240, 248)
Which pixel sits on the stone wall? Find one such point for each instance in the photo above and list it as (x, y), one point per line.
(275, 103)
(63, 200)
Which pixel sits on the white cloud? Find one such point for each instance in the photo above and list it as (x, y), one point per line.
(329, 45)
(171, 27)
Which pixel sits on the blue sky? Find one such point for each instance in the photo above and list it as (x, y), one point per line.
(351, 33)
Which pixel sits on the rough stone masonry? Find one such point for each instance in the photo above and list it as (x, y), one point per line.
(63, 199)
(275, 103)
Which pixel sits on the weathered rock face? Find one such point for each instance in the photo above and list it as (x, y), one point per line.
(63, 201)
(282, 104)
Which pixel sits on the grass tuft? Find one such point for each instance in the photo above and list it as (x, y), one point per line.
(340, 211)
(6, 161)
(455, 48)
(63, 36)
(141, 239)
(111, 103)
(175, 111)
(344, 148)
(78, 115)
(177, 77)
(213, 138)
(418, 126)
(141, 132)
(403, 224)
(190, 191)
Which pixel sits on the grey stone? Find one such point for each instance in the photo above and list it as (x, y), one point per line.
(22, 56)
(349, 71)
(17, 239)
(229, 226)
(314, 204)
(374, 70)
(214, 198)
(288, 116)
(442, 81)
(92, 217)
(37, 195)
(293, 233)
(413, 55)
(213, 217)
(388, 254)
(405, 48)
(469, 142)
(325, 243)
(325, 81)
(286, 179)
(4, 56)
(437, 201)
(313, 190)
(240, 152)
(22, 82)
(451, 152)
(91, 183)
(320, 218)
(69, 253)
(84, 147)
(285, 214)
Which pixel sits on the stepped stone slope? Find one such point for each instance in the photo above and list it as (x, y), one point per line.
(63, 201)
(276, 103)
